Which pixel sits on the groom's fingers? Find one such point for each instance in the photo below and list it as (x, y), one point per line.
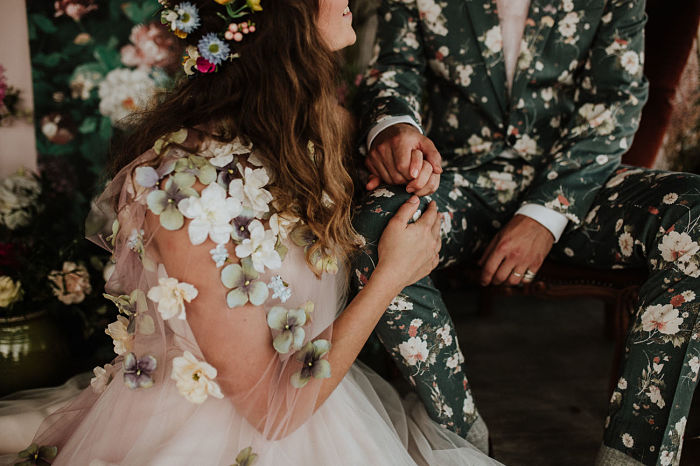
(431, 154)
(421, 180)
(416, 163)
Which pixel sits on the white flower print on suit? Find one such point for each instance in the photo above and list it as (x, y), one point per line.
(414, 351)
(663, 318)
(680, 249)
(195, 378)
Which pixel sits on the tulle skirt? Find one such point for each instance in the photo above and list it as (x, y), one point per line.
(364, 422)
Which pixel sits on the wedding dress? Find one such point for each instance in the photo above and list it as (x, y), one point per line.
(159, 402)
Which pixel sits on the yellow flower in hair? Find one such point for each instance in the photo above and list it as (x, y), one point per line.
(223, 2)
(254, 5)
(180, 33)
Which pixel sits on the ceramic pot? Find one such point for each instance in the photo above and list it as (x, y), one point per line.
(33, 353)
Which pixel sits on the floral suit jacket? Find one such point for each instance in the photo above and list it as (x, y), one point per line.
(576, 96)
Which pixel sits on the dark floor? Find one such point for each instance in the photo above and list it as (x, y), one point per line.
(539, 371)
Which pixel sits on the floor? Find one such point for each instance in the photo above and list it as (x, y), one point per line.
(539, 371)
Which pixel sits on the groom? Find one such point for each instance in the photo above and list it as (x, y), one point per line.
(513, 115)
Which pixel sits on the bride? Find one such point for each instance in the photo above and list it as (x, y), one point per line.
(230, 234)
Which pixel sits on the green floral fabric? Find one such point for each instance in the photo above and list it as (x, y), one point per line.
(572, 112)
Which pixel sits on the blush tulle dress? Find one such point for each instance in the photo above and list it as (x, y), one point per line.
(159, 402)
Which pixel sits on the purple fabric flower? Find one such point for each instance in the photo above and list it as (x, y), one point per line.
(240, 228)
(138, 372)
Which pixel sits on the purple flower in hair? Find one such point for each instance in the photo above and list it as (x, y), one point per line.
(138, 371)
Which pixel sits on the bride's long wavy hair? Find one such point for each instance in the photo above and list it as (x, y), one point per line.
(281, 94)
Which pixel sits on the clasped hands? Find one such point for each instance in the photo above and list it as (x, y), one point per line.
(401, 155)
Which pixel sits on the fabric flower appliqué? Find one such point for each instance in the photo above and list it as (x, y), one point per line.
(250, 190)
(211, 214)
(138, 372)
(246, 457)
(171, 295)
(164, 202)
(280, 288)
(289, 323)
(245, 286)
(312, 364)
(195, 379)
(260, 247)
(35, 454)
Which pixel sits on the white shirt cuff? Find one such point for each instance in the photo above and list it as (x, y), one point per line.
(385, 123)
(548, 218)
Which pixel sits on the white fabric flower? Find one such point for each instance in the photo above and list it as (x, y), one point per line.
(260, 247)
(250, 190)
(171, 295)
(211, 214)
(195, 378)
(282, 225)
(414, 350)
(661, 317)
(124, 91)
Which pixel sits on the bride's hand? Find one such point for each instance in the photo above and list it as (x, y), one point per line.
(409, 252)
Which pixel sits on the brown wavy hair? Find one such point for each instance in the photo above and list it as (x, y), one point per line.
(280, 94)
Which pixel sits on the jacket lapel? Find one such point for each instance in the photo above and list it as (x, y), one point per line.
(483, 16)
(542, 15)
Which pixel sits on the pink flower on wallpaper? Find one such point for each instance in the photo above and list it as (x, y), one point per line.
(3, 85)
(76, 9)
(151, 45)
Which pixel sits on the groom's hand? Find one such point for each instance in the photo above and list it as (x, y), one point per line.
(520, 246)
(402, 155)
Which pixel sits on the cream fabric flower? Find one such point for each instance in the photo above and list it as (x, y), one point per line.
(250, 190)
(171, 295)
(195, 378)
(260, 247)
(122, 339)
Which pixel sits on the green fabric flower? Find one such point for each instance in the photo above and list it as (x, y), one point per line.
(34, 454)
(312, 364)
(242, 278)
(246, 457)
(178, 137)
(289, 323)
(164, 202)
(134, 306)
(198, 166)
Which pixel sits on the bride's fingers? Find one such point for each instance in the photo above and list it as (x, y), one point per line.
(404, 214)
(427, 218)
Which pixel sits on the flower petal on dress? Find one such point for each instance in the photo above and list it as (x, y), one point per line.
(236, 298)
(157, 201)
(232, 275)
(171, 219)
(277, 318)
(321, 369)
(146, 176)
(198, 231)
(283, 342)
(258, 293)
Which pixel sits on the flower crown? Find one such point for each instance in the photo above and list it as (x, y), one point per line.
(213, 48)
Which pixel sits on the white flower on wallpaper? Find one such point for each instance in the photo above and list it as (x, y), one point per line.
(124, 91)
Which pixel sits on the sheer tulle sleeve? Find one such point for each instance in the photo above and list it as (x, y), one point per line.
(218, 308)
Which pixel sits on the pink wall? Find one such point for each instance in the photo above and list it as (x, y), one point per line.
(17, 145)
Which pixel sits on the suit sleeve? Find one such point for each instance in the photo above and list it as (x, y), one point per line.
(394, 81)
(611, 90)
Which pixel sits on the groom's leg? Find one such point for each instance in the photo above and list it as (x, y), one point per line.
(650, 219)
(417, 329)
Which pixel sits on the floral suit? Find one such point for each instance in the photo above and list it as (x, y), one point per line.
(572, 112)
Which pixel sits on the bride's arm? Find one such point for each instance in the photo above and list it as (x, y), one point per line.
(238, 343)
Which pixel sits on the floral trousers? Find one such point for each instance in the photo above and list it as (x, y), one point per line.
(640, 218)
